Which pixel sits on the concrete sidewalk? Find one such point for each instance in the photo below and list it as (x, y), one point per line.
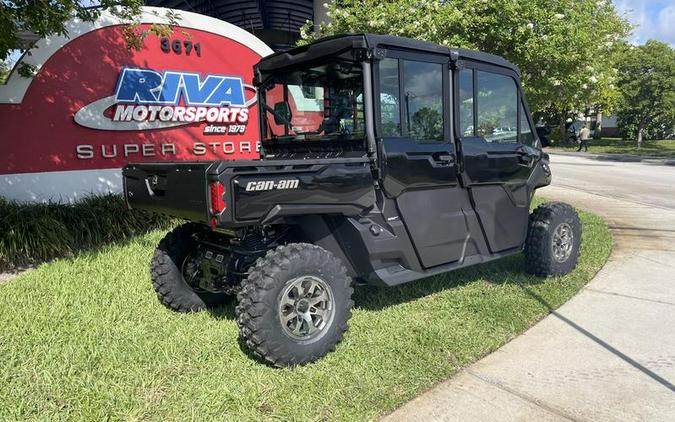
(606, 355)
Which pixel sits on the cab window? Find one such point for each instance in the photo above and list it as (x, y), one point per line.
(497, 108)
(423, 90)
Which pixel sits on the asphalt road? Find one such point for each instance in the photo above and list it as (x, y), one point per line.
(609, 353)
(650, 184)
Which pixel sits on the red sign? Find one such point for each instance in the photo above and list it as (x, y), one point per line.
(95, 104)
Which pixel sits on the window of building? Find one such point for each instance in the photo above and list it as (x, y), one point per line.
(423, 90)
(390, 103)
(466, 102)
(309, 92)
(497, 103)
(526, 134)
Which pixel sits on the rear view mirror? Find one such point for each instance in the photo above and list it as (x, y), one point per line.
(544, 136)
(282, 113)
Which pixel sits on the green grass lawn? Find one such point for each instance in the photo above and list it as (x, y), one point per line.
(663, 148)
(85, 338)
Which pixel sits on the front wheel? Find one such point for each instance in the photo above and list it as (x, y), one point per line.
(553, 240)
(294, 305)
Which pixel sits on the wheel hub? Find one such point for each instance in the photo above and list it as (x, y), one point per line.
(302, 306)
(562, 242)
(306, 307)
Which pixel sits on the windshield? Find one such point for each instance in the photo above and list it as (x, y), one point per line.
(320, 103)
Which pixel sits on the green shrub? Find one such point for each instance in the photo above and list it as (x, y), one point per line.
(35, 233)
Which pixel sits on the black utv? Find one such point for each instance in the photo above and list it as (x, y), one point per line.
(383, 160)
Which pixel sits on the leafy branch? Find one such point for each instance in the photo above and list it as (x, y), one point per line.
(24, 22)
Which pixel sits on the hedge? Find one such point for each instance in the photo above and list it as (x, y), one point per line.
(34, 233)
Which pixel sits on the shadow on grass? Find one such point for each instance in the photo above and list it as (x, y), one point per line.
(510, 270)
(225, 310)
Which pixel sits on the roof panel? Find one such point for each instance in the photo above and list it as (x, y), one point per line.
(340, 43)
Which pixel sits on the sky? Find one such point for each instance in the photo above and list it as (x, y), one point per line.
(654, 19)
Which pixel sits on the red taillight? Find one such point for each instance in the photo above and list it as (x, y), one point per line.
(217, 197)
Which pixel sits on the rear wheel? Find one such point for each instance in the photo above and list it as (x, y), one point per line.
(553, 239)
(174, 270)
(294, 305)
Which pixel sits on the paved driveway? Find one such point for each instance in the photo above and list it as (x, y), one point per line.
(608, 353)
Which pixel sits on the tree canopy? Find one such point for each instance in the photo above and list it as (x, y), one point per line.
(646, 81)
(49, 17)
(562, 47)
(4, 72)
(22, 21)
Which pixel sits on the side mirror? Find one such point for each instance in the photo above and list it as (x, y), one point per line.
(282, 113)
(544, 136)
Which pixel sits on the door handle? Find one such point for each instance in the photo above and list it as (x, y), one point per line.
(448, 158)
(525, 158)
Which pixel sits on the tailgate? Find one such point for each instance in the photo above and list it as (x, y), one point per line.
(177, 189)
(297, 188)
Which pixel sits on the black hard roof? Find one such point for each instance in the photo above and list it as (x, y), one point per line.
(340, 43)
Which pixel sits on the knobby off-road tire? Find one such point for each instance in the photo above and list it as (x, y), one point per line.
(553, 240)
(276, 287)
(167, 277)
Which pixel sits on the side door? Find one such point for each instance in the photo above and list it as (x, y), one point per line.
(498, 150)
(416, 152)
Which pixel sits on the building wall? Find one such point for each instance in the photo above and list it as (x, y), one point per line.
(610, 127)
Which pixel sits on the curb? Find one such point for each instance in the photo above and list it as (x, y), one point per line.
(623, 158)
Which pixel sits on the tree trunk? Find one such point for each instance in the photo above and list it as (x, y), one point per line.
(644, 122)
(598, 124)
(563, 133)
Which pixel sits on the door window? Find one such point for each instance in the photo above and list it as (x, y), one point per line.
(423, 91)
(390, 104)
(497, 103)
(526, 135)
(466, 102)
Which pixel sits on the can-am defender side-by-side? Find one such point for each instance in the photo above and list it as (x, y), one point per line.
(383, 160)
